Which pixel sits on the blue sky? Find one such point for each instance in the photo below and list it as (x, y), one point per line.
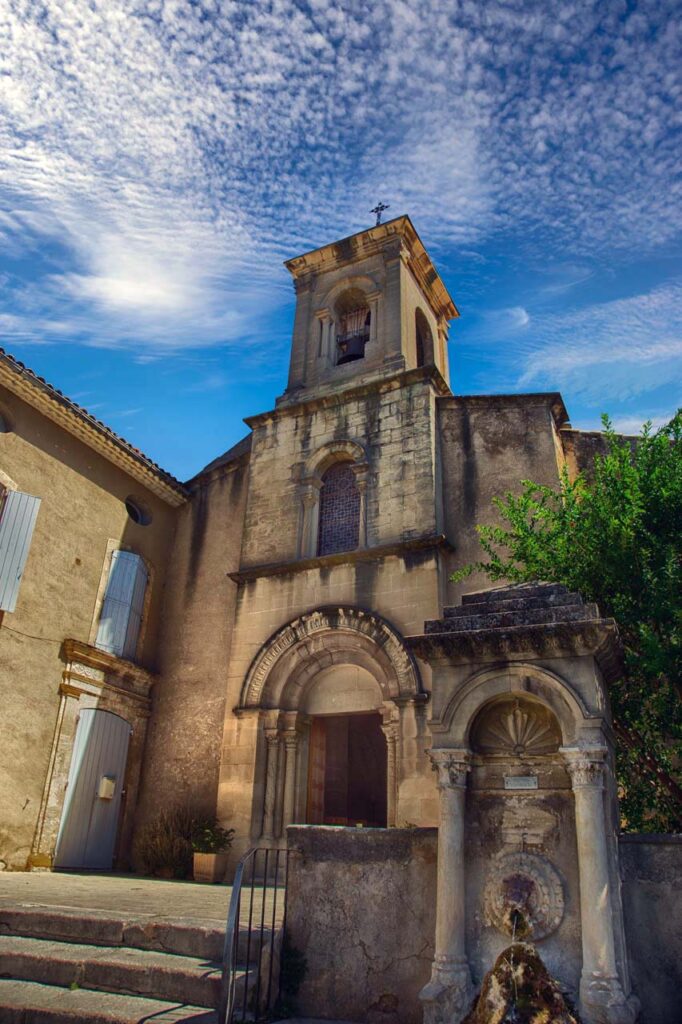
(159, 160)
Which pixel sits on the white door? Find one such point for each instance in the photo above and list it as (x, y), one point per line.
(87, 831)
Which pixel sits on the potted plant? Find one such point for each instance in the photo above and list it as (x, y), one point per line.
(210, 843)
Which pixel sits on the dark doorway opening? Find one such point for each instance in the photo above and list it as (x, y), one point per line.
(347, 771)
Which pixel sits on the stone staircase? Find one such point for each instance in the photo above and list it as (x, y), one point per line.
(514, 606)
(59, 965)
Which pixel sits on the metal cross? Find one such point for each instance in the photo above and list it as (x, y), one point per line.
(379, 209)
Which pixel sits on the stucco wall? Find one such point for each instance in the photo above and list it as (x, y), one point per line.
(361, 907)
(185, 734)
(82, 510)
(651, 869)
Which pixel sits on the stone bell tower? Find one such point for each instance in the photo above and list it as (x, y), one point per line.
(367, 306)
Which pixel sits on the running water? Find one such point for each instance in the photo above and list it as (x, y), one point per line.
(519, 989)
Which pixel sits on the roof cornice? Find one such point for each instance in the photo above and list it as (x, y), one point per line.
(81, 424)
(372, 241)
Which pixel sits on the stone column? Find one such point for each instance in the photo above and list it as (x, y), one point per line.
(310, 507)
(447, 997)
(390, 731)
(602, 1000)
(272, 739)
(361, 471)
(291, 749)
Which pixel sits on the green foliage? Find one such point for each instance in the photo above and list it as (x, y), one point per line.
(209, 837)
(615, 537)
(165, 845)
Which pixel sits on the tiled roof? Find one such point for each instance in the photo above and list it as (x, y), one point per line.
(112, 442)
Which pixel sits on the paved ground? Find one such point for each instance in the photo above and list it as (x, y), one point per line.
(127, 894)
(119, 893)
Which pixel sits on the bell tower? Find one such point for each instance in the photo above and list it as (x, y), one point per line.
(367, 306)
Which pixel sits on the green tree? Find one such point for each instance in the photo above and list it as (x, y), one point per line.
(614, 535)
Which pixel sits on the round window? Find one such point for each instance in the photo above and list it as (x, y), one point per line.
(137, 512)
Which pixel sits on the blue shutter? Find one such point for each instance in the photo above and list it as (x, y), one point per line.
(16, 529)
(136, 608)
(121, 614)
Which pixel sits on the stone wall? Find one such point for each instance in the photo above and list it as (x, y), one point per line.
(182, 757)
(651, 869)
(361, 907)
(489, 443)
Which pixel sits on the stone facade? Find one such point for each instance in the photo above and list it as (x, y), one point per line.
(282, 645)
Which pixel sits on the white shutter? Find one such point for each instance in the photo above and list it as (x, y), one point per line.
(16, 529)
(119, 624)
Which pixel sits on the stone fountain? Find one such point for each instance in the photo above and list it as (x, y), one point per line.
(523, 750)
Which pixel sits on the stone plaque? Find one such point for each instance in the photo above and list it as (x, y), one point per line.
(520, 782)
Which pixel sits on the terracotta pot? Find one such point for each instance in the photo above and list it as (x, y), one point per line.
(210, 867)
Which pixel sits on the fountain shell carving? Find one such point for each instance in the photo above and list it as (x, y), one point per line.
(516, 727)
(528, 883)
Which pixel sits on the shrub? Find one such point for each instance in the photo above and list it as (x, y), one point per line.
(164, 844)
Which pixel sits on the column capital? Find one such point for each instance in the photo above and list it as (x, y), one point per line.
(452, 767)
(291, 738)
(586, 767)
(272, 736)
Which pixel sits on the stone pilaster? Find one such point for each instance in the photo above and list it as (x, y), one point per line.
(447, 996)
(272, 740)
(602, 1000)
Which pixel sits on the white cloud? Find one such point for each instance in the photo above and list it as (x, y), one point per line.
(161, 158)
(614, 349)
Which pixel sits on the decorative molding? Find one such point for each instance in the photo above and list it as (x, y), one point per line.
(435, 541)
(333, 397)
(452, 767)
(330, 620)
(105, 669)
(529, 884)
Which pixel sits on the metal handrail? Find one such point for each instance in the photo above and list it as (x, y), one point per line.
(227, 1011)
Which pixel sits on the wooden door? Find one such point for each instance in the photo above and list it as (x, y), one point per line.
(316, 771)
(87, 831)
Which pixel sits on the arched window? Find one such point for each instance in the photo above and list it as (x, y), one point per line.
(423, 338)
(353, 323)
(339, 523)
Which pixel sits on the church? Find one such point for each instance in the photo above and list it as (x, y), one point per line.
(248, 627)
(266, 640)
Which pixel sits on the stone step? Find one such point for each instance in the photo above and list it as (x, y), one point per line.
(502, 620)
(512, 604)
(114, 969)
(28, 1002)
(515, 590)
(184, 936)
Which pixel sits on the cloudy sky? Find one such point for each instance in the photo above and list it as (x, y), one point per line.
(159, 160)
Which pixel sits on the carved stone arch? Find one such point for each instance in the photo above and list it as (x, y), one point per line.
(290, 659)
(361, 282)
(520, 679)
(334, 451)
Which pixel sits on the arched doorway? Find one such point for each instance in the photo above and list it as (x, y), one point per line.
(346, 777)
(330, 689)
